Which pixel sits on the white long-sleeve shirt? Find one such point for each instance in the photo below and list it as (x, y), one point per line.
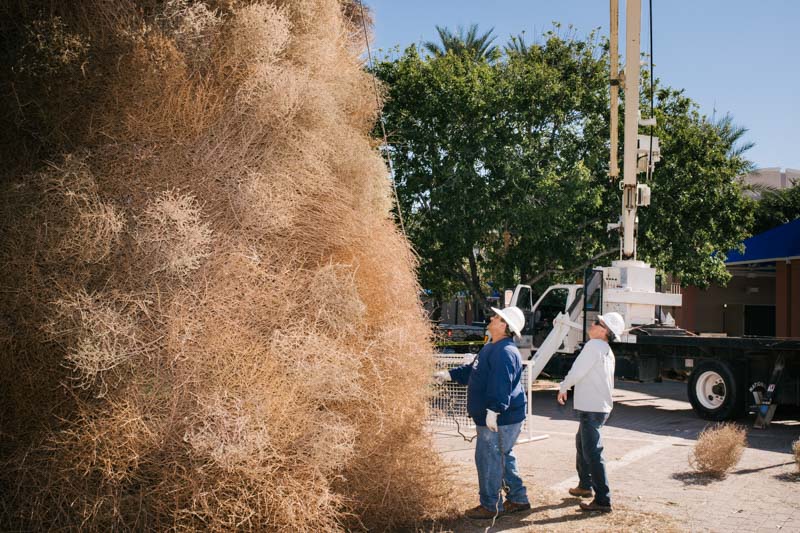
(592, 375)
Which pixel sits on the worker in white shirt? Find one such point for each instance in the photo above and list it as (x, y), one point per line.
(592, 375)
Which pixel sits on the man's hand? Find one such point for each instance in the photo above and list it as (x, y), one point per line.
(491, 420)
(562, 397)
(441, 376)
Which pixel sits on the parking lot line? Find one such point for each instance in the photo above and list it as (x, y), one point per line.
(625, 460)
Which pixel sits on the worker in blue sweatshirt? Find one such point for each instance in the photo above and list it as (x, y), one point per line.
(496, 401)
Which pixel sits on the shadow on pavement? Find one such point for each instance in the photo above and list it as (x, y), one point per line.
(575, 517)
(695, 478)
(566, 502)
(664, 410)
(752, 470)
(790, 477)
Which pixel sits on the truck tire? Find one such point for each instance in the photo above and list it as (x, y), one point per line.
(474, 348)
(716, 391)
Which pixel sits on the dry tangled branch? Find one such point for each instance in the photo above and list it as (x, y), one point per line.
(86, 226)
(99, 334)
(192, 26)
(172, 228)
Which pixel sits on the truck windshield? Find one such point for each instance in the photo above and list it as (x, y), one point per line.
(554, 302)
(525, 303)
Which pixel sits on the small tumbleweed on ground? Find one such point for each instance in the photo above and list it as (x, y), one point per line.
(718, 449)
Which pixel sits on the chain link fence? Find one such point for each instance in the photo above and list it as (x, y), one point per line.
(448, 404)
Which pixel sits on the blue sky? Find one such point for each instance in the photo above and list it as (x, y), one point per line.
(734, 56)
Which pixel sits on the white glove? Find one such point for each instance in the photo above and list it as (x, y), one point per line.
(441, 376)
(491, 420)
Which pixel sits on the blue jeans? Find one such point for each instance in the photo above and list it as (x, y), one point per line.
(491, 461)
(589, 458)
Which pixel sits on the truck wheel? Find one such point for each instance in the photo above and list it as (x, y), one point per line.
(714, 391)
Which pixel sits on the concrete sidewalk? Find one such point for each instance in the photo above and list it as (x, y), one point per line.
(647, 443)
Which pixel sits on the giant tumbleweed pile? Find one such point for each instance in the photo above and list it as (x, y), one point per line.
(208, 318)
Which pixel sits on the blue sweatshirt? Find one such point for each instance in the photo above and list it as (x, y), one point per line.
(494, 382)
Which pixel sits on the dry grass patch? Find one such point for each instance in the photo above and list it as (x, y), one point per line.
(552, 512)
(718, 449)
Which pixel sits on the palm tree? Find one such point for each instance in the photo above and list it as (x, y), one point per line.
(517, 45)
(732, 135)
(476, 46)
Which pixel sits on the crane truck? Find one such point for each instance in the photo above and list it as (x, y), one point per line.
(727, 376)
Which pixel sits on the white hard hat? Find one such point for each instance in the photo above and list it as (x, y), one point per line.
(614, 322)
(513, 317)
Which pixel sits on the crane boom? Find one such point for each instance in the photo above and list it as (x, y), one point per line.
(613, 64)
(633, 22)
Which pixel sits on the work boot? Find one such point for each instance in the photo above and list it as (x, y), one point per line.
(514, 507)
(480, 513)
(581, 492)
(594, 506)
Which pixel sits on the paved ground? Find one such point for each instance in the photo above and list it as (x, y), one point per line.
(647, 441)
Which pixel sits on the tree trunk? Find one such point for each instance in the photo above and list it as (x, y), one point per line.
(473, 282)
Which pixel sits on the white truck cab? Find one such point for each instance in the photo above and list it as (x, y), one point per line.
(539, 315)
(627, 287)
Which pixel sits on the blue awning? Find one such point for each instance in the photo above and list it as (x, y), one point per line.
(777, 244)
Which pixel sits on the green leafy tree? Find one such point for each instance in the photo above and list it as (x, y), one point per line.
(509, 158)
(776, 207)
(437, 114)
(698, 211)
(551, 145)
(499, 157)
